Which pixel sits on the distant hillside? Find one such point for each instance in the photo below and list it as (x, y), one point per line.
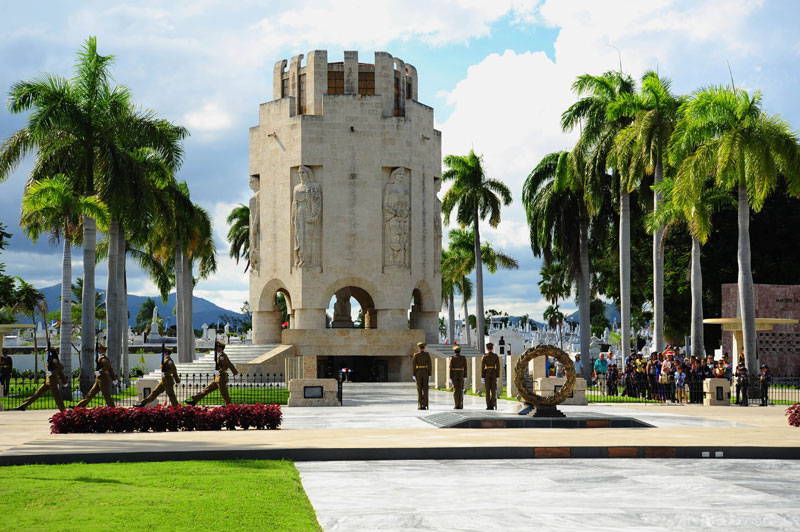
(203, 310)
(611, 313)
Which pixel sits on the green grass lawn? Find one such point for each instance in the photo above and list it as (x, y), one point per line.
(155, 496)
(248, 396)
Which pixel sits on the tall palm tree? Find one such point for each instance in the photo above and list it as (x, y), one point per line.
(474, 196)
(724, 132)
(462, 262)
(553, 317)
(654, 110)
(449, 279)
(75, 127)
(52, 206)
(29, 302)
(239, 234)
(696, 217)
(596, 147)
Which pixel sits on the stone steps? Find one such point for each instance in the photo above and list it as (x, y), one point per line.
(446, 350)
(238, 354)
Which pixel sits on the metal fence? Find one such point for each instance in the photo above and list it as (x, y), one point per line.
(267, 388)
(641, 388)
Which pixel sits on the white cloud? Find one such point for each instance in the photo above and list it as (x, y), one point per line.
(210, 117)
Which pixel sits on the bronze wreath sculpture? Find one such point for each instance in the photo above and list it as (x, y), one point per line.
(522, 364)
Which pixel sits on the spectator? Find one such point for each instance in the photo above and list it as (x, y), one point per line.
(680, 384)
(600, 369)
(653, 369)
(728, 366)
(578, 366)
(559, 369)
(741, 384)
(612, 375)
(764, 380)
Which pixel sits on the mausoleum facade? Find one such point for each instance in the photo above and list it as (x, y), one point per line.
(345, 166)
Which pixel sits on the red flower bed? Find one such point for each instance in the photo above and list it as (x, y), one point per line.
(794, 415)
(162, 418)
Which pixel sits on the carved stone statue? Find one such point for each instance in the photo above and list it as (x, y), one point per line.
(255, 224)
(341, 310)
(396, 217)
(306, 211)
(437, 226)
(154, 327)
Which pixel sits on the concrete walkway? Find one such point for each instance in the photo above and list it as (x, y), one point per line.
(382, 422)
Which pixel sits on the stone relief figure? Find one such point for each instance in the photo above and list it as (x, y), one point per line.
(341, 309)
(306, 210)
(255, 224)
(437, 226)
(396, 216)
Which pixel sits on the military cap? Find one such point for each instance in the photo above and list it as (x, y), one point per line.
(421, 344)
(490, 344)
(101, 347)
(457, 348)
(219, 345)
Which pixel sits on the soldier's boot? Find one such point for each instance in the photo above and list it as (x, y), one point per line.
(190, 402)
(20, 408)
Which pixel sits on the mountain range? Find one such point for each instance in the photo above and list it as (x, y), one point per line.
(203, 310)
(611, 313)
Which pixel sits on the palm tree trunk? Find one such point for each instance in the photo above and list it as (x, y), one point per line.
(625, 271)
(66, 308)
(188, 307)
(466, 311)
(179, 306)
(451, 319)
(35, 350)
(658, 268)
(112, 296)
(478, 284)
(584, 297)
(746, 295)
(88, 309)
(697, 301)
(123, 308)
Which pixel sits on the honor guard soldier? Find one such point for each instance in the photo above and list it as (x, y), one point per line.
(104, 377)
(55, 374)
(169, 377)
(421, 371)
(490, 370)
(6, 368)
(458, 373)
(221, 366)
(742, 385)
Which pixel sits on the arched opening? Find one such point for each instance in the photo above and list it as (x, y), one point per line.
(272, 314)
(284, 303)
(423, 314)
(351, 307)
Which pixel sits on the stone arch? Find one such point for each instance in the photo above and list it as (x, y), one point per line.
(267, 298)
(422, 297)
(358, 289)
(363, 286)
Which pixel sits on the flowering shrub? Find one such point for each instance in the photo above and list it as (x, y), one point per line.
(794, 415)
(163, 418)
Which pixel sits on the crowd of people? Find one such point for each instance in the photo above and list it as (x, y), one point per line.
(672, 377)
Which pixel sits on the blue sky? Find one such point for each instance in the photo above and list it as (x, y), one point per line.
(497, 74)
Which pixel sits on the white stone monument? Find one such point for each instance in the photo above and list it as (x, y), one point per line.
(154, 337)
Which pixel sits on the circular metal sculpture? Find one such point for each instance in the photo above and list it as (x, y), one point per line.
(521, 368)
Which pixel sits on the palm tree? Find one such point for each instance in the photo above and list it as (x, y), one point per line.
(554, 285)
(52, 206)
(553, 317)
(29, 302)
(723, 132)
(77, 303)
(449, 279)
(654, 111)
(239, 233)
(474, 196)
(596, 149)
(80, 127)
(697, 219)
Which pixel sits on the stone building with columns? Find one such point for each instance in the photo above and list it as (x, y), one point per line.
(345, 166)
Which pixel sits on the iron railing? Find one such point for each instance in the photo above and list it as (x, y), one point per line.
(267, 388)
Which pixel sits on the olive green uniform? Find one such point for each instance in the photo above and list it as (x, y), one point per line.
(422, 369)
(490, 370)
(55, 374)
(458, 373)
(169, 377)
(220, 381)
(104, 375)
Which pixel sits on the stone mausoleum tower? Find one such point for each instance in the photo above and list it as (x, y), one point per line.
(345, 166)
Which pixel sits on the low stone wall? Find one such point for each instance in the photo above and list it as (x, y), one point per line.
(546, 388)
(329, 389)
(710, 392)
(271, 362)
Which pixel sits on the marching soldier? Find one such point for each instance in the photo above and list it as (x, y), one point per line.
(221, 366)
(104, 378)
(169, 377)
(6, 368)
(421, 371)
(490, 370)
(55, 374)
(458, 372)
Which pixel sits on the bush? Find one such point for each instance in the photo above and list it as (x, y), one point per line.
(794, 415)
(162, 418)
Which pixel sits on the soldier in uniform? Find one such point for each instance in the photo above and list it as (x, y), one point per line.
(6, 368)
(764, 380)
(458, 372)
(55, 374)
(421, 370)
(221, 366)
(104, 378)
(169, 377)
(490, 370)
(742, 385)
